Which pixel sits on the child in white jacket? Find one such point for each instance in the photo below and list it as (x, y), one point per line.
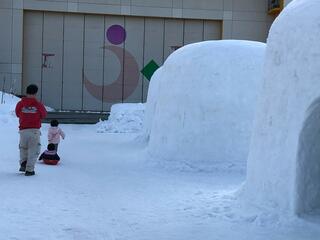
(54, 133)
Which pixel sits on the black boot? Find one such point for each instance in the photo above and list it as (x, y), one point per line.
(23, 166)
(29, 173)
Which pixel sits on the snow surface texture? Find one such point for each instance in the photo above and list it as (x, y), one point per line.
(202, 101)
(124, 118)
(284, 160)
(151, 103)
(103, 189)
(7, 113)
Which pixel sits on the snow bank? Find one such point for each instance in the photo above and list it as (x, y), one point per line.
(7, 108)
(204, 108)
(284, 160)
(124, 118)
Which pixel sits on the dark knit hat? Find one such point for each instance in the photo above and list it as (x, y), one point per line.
(54, 123)
(51, 147)
(32, 89)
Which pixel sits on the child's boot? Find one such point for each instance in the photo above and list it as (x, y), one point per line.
(23, 166)
(29, 173)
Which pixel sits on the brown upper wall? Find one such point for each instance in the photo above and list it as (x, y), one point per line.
(201, 9)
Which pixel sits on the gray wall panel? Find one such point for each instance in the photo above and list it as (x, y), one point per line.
(173, 35)
(212, 30)
(53, 44)
(193, 31)
(250, 5)
(17, 36)
(204, 4)
(152, 3)
(154, 45)
(73, 62)
(32, 50)
(6, 44)
(247, 30)
(242, 19)
(113, 72)
(100, 1)
(133, 59)
(90, 69)
(93, 61)
(5, 36)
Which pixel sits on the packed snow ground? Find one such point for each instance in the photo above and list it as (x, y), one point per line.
(105, 189)
(124, 118)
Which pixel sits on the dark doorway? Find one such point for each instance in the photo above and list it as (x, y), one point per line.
(308, 163)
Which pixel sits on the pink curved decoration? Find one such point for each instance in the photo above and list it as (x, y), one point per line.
(129, 74)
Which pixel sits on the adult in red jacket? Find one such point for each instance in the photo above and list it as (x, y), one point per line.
(30, 113)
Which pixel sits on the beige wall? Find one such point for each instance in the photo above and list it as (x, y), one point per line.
(242, 19)
(11, 27)
(83, 53)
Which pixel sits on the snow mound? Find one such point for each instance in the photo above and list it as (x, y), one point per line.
(150, 108)
(124, 118)
(284, 160)
(202, 102)
(7, 108)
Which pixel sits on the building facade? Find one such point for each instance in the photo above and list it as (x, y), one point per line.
(90, 54)
(286, 2)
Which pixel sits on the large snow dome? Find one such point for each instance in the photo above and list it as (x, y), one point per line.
(152, 98)
(284, 159)
(203, 103)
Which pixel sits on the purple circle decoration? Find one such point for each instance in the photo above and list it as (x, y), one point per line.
(116, 34)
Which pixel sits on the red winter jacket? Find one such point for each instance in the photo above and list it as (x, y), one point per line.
(30, 113)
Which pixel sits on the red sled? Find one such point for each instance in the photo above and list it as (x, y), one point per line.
(50, 162)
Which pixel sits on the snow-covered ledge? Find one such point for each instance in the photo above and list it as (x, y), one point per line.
(284, 159)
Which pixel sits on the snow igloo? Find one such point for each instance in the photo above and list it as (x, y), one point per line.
(284, 160)
(150, 107)
(201, 104)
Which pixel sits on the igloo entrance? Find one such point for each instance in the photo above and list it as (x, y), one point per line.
(308, 163)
